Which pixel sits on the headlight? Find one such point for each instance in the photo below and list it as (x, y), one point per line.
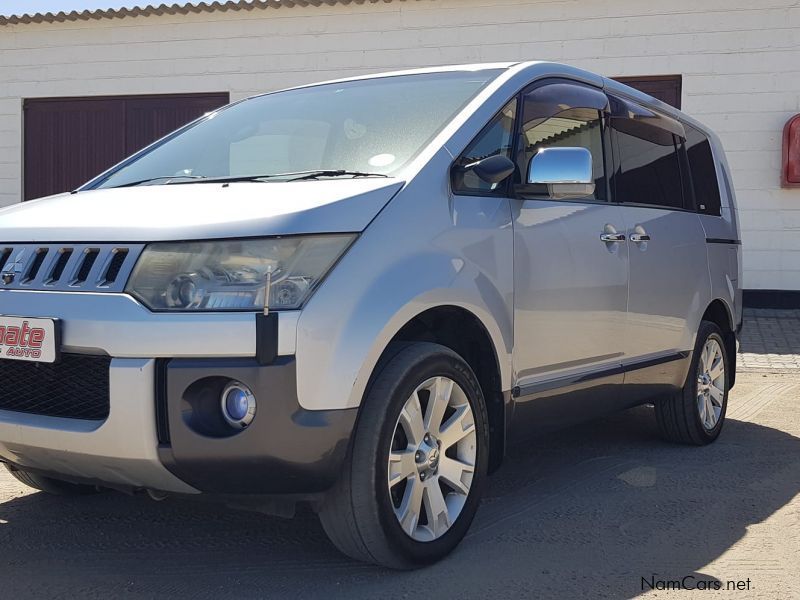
(232, 274)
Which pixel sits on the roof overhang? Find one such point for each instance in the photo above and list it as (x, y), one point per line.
(184, 8)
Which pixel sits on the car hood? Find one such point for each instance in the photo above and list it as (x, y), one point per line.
(199, 211)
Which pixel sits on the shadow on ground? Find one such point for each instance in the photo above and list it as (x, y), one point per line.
(584, 513)
(770, 331)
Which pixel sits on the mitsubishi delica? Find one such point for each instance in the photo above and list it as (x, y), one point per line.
(355, 295)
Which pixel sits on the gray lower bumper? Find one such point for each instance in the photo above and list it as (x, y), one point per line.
(285, 450)
(121, 451)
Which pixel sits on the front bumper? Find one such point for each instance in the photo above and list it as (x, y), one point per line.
(121, 451)
(285, 450)
(119, 326)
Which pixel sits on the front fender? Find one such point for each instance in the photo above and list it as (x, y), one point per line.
(460, 254)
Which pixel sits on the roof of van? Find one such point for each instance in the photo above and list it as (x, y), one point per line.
(557, 69)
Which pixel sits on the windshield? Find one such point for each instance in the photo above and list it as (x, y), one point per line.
(370, 126)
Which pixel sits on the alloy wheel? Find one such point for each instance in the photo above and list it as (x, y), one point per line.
(711, 384)
(432, 459)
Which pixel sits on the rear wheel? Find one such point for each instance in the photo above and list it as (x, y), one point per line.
(418, 462)
(50, 485)
(696, 414)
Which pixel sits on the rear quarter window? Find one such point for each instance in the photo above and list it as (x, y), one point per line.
(704, 175)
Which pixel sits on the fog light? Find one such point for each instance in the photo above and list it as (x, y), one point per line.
(238, 405)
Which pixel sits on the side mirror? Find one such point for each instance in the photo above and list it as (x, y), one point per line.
(492, 169)
(567, 172)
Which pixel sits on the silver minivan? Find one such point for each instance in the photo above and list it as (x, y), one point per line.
(356, 294)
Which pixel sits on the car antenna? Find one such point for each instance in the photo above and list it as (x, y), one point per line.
(267, 290)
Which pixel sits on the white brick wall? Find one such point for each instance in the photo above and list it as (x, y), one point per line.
(740, 62)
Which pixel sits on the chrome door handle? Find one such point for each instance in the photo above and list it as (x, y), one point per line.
(638, 238)
(610, 238)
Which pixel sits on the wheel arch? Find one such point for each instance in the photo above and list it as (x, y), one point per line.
(463, 332)
(720, 313)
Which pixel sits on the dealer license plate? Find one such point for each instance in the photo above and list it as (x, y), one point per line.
(26, 338)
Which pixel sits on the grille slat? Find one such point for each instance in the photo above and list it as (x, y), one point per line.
(60, 265)
(76, 387)
(67, 267)
(89, 257)
(115, 265)
(38, 259)
(5, 253)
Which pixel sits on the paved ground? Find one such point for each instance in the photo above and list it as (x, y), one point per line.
(586, 513)
(770, 340)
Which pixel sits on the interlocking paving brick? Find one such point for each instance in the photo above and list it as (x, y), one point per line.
(770, 340)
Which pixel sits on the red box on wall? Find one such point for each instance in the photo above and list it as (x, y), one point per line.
(790, 169)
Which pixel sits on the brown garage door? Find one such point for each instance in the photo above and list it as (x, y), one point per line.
(666, 88)
(70, 140)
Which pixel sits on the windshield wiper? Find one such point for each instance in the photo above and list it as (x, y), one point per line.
(293, 176)
(301, 175)
(169, 178)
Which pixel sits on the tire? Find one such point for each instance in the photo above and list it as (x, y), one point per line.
(681, 416)
(49, 485)
(360, 514)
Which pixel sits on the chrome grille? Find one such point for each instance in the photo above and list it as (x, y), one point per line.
(67, 267)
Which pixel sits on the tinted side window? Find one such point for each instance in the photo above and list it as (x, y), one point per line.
(649, 169)
(574, 128)
(704, 176)
(496, 138)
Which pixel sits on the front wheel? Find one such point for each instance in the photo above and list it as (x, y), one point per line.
(696, 413)
(418, 461)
